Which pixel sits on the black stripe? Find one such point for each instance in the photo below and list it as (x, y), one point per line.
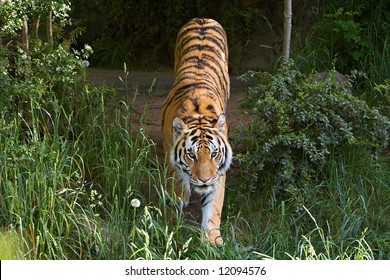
(203, 199)
(212, 68)
(188, 119)
(194, 139)
(188, 70)
(200, 47)
(195, 102)
(200, 63)
(202, 31)
(187, 86)
(211, 37)
(193, 132)
(183, 75)
(217, 62)
(186, 89)
(219, 42)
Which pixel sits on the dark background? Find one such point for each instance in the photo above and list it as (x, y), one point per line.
(143, 33)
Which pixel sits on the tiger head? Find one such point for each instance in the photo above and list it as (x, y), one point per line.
(201, 152)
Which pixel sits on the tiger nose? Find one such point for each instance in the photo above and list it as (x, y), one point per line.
(205, 180)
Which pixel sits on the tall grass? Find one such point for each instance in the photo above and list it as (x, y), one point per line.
(347, 218)
(69, 171)
(67, 181)
(67, 198)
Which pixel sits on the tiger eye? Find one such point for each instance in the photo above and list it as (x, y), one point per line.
(191, 156)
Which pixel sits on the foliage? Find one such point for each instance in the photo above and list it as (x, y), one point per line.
(345, 219)
(297, 122)
(69, 176)
(143, 33)
(79, 179)
(45, 77)
(12, 12)
(356, 32)
(52, 175)
(344, 31)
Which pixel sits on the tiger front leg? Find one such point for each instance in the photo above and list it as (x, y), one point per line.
(179, 191)
(212, 204)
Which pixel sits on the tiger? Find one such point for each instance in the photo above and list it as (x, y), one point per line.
(193, 121)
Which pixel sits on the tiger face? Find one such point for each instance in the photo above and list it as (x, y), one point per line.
(201, 154)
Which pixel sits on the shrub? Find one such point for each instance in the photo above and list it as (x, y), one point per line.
(297, 123)
(355, 32)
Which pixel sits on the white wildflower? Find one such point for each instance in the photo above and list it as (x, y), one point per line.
(85, 63)
(135, 203)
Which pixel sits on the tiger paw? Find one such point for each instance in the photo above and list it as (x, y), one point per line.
(214, 237)
(179, 203)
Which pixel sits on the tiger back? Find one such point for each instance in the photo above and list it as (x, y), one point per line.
(193, 122)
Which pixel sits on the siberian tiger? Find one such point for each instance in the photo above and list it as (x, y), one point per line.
(194, 122)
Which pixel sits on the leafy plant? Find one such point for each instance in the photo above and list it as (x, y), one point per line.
(354, 32)
(344, 35)
(12, 12)
(297, 122)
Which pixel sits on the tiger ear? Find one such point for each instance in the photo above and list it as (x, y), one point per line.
(178, 126)
(220, 124)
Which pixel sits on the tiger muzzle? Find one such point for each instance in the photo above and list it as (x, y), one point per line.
(204, 183)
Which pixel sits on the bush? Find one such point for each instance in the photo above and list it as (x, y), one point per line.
(297, 123)
(354, 32)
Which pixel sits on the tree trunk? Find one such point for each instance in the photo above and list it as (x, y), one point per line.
(25, 42)
(287, 29)
(36, 24)
(50, 29)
